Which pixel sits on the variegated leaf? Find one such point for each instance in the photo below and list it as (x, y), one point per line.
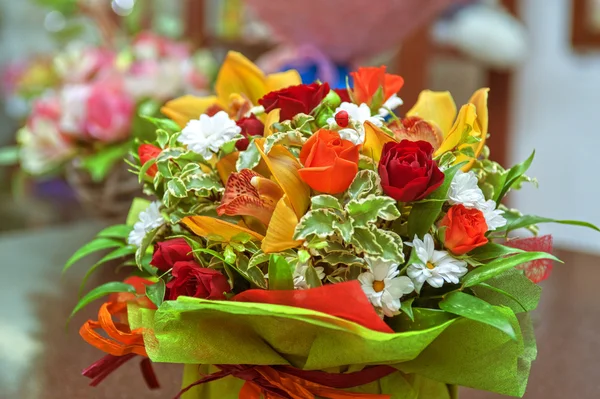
(366, 182)
(367, 210)
(318, 222)
(325, 201)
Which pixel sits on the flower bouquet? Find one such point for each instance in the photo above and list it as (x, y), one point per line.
(84, 123)
(311, 243)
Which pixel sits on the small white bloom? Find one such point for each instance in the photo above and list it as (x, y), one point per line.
(149, 219)
(464, 190)
(390, 104)
(383, 287)
(357, 115)
(435, 267)
(493, 217)
(206, 135)
(300, 275)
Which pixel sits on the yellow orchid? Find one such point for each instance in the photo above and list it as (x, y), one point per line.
(438, 108)
(239, 84)
(278, 201)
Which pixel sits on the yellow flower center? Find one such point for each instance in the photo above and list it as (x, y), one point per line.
(378, 286)
(430, 265)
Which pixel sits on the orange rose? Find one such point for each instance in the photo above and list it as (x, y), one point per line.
(330, 162)
(465, 229)
(368, 80)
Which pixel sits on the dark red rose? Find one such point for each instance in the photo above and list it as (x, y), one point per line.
(407, 170)
(344, 95)
(250, 126)
(169, 252)
(294, 100)
(147, 152)
(190, 279)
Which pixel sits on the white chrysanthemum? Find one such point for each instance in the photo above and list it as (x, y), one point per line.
(357, 115)
(300, 275)
(464, 190)
(435, 267)
(383, 286)
(390, 104)
(493, 217)
(149, 219)
(206, 135)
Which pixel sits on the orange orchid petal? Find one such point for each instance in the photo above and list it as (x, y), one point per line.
(438, 108)
(284, 166)
(226, 166)
(272, 117)
(205, 226)
(183, 109)
(238, 75)
(281, 80)
(280, 232)
(375, 139)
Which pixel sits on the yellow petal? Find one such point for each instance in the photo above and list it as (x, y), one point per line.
(375, 139)
(272, 117)
(205, 226)
(280, 232)
(226, 166)
(479, 99)
(281, 80)
(466, 117)
(184, 109)
(435, 107)
(238, 75)
(284, 166)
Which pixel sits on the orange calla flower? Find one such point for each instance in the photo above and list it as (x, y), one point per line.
(368, 80)
(330, 162)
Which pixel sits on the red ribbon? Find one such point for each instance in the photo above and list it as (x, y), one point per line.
(102, 368)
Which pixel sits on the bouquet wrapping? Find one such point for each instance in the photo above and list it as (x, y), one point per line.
(308, 242)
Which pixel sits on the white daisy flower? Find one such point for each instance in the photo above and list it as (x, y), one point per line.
(464, 190)
(149, 219)
(357, 115)
(300, 275)
(435, 267)
(383, 286)
(206, 135)
(493, 216)
(390, 104)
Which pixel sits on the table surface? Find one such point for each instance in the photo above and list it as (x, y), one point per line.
(39, 359)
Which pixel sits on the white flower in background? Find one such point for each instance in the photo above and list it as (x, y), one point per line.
(390, 104)
(383, 286)
(464, 190)
(149, 219)
(300, 275)
(436, 267)
(42, 147)
(493, 216)
(206, 135)
(357, 116)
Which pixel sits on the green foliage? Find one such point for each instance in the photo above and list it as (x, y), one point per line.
(365, 183)
(121, 252)
(99, 292)
(9, 156)
(137, 206)
(477, 309)
(318, 222)
(406, 307)
(293, 138)
(515, 222)
(281, 275)
(367, 210)
(492, 251)
(512, 176)
(163, 123)
(156, 292)
(97, 244)
(116, 231)
(249, 158)
(101, 162)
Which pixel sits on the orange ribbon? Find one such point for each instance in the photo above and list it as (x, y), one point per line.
(121, 340)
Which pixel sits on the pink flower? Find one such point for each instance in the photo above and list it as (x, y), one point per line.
(148, 45)
(82, 64)
(110, 110)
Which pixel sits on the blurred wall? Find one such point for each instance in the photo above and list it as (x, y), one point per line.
(556, 110)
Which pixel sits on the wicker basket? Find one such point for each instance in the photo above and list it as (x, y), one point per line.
(108, 199)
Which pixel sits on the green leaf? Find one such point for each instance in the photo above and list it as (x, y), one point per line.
(280, 274)
(170, 153)
(366, 210)
(390, 243)
(366, 182)
(512, 177)
(288, 139)
(318, 222)
(325, 201)
(143, 170)
(163, 123)
(101, 162)
(365, 241)
(229, 254)
(248, 159)
(146, 243)
(499, 266)
(162, 138)
(177, 188)
(138, 205)
(204, 184)
(343, 258)
(156, 292)
(99, 292)
(117, 231)
(512, 289)
(502, 292)
(406, 307)
(250, 272)
(312, 277)
(366, 163)
(303, 255)
(492, 251)
(345, 228)
(9, 156)
(424, 214)
(477, 309)
(516, 222)
(116, 254)
(97, 244)
(258, 258)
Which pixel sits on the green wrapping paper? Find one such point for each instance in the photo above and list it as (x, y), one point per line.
(436, 350)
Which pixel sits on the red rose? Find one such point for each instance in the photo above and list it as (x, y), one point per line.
(169, 252)
(190, 279)
(407, 170)
(250, 126)
(294, 100)
(465, 229)
(344, 95)
(146, 153)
